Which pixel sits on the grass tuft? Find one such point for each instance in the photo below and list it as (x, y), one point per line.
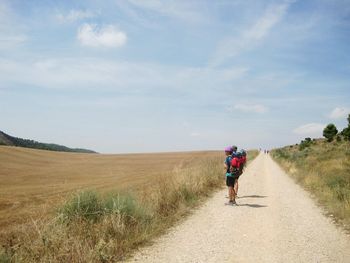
(4, 256)
(84, 204)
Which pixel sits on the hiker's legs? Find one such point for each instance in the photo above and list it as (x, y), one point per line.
(231, 193)
(230, 182)
(236, 187)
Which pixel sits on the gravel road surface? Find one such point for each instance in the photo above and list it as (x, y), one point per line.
(275, 221)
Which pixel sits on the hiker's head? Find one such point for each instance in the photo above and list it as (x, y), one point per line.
(234, 148)
(228, 150)
(243, 152)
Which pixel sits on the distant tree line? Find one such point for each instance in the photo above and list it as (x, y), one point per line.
(15, 141)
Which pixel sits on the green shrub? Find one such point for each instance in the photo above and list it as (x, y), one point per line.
(346, 131)
(330, 132)
(88, 205)
(281, 153)
(84, 205)
(188, 195)
(4, 257)
(125, 204)
(305, 144)
(335, 181)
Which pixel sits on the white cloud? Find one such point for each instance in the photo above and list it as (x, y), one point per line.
(87, 73)
(195, 134)
(181, 10)
(234, 73)
(271, 17)
(249, 38)
(106, 36)
(255, 108)
(310, 129)
(339, 113)
(11, 40)
(74, 15)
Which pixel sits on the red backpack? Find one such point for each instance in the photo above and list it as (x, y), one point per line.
(243, 161)
(235, 165)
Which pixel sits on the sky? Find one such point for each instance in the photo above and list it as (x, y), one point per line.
(126, 76)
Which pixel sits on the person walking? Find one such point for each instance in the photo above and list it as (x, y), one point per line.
(230, 179)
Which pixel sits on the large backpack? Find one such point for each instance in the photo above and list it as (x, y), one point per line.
(235, 165)
(244, 153)
(243, 160)
(240, 163)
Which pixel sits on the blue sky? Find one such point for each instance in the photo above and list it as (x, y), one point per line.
(146, 76)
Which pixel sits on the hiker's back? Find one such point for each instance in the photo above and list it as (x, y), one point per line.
(235, 165)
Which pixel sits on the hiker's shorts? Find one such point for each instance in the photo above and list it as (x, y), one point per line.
(230, 180)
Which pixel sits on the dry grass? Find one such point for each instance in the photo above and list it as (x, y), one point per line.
(33, 181)
(324, 170)
(101, 225)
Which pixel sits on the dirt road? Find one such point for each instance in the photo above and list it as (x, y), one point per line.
(275, 221)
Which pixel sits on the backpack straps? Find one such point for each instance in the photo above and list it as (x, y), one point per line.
(228, 163)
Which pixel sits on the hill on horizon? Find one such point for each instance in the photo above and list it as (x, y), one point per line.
(9, 140)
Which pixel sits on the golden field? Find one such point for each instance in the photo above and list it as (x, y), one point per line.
(35, 179)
